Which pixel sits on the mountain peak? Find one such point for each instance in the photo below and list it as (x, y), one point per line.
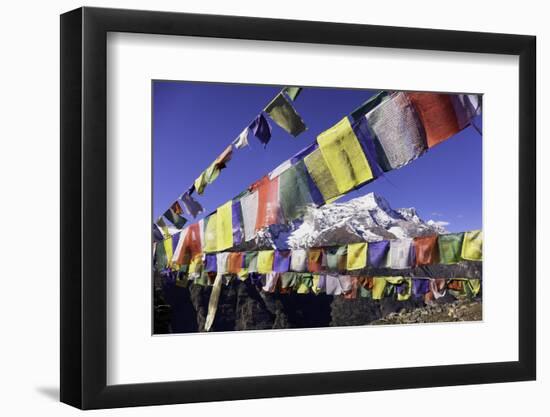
(366, 218)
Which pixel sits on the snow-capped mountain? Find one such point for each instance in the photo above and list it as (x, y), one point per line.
(367, 218)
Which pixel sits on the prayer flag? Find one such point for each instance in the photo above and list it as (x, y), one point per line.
(176, 208)
(344, 156)
(175, 218)
(222, 259)
(321, 175)
(271, 280)
(249, 206)
(251, 261)
(472, 246)
(377, 253)
(368, 105)
(281, 261)
(210, 264)
(213, 302)
(426, 250)
(192, 206)
(235, 262)
(466, 106)
(200, 183)
(357, 256)
(242, 140)
(336, 258)
(224, 229)
(261, 129)
(437, 114)
(398, 131)
(298, 260)
(366, 140)
(400, 255)
(379, 285)
(450, 247)
(294, 191)
(283, 113)
(268, 202)
(265, 261)
(237, 223)
(210, 229)
(315, 258)
(292, 92)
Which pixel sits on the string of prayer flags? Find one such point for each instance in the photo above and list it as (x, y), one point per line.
(357, 256)
(450, 247)
(426, 250)
(192, 206)
(344, 156)
(398, 130)
(283, 113)
(472, 246)
(261, 129)
(292, 92)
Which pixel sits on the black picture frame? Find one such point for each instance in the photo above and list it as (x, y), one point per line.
(84, 207)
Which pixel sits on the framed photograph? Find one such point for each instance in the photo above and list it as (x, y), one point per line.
(262, 208)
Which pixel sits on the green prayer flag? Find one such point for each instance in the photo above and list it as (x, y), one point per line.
(450, 247)
(175, 219)
(283, 113)
(294, 195)
(292, 92)
(368, 105)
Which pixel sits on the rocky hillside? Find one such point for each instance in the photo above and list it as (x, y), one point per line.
(242, 306)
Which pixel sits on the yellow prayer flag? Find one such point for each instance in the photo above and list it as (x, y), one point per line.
(472, 245)
(399, 281)
(195, 265)
(265, 261)
(357, 256)
(168, 248)
(475, 286)
(378, 288)
(321, 175)
(200, 183)
(210, 241)
(315, 286)
(344, 156)
(224, 227)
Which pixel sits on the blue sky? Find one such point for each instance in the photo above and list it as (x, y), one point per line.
(193, 122)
